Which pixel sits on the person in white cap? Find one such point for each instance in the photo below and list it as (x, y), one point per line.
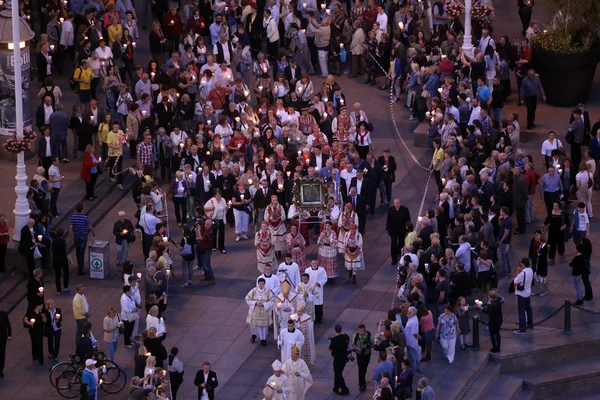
(288, 338)
(90, 378)
(279, 382)
(299, 375)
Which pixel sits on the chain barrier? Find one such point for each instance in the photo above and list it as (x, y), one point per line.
(586, 310)
(559, 309)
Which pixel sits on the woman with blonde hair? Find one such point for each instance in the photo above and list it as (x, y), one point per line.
(153, 321)
(140, 360)
(111, 331)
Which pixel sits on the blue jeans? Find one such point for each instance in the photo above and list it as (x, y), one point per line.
(414, 357)
(577, 284)
(524, 308)
(60, 148)
(496, 114)
(505, 254)
(79, 323)
(122, 251)
(578, 236)
(80, 244)
(208, 272)
(112, 348)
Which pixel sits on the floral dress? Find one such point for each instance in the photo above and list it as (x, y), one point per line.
(448, 326)
(265, 253)
(110, 100)
(295, 246)
(353, 255)
(344, 221)
(328, 253)
(370, 64)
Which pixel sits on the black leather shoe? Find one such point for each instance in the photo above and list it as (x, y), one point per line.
(253, 339)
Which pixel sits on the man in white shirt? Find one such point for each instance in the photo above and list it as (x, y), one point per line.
(289, 270)
(347, 174)
(382, 18)
(67, 37)
(129, 313)
(48, 109)
(143, 86)
(148, 223)
(54, 178)
(272, 33)
(411, 331)
(475, 111)
(137, 298)
(522, 284)
(318, 278)
(486, 40)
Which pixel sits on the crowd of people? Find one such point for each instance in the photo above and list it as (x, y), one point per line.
(235, 137)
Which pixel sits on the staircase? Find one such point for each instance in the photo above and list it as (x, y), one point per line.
(547, 365)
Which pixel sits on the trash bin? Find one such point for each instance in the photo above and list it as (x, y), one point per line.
(99, 252)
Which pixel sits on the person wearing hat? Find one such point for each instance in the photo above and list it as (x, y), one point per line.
(522, 288)
(353, 252)
(90, 378)
(259, 300)
(278, 383)
(299, 375)
(342, 126)
(285, 305)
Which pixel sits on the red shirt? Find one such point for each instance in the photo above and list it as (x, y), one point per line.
(4, 238)
(531, 179)
(233, 144)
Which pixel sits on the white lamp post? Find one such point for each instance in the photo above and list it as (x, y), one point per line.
(20, 31)
(467, 40)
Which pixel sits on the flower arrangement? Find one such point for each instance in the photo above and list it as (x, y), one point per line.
(30, 136)
(15, 145)
(480, 11)
(454, 9)
(556, 42)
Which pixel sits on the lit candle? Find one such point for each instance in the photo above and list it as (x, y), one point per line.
(57, 316)
(165, 239)
(427, 114)
(139, 275)
(152, 75)
(144, 112)
(260, 88)
(560, 171)
(41, 289)
(401, 25)
(181, 145)
(558, 166)
(440, 90)
(246, 93)
(325, 114)
(125, 231)
(61, 19)
(51, 47)
(280, 186)
(419, 219)
(208, 153)
(39, 238)
(249, 181)
(237, 119)
(242, 197)
(101, 382)
(299, 153)
(172, 22)
(317, 169)
(208, 122)
(304, 5)
(99, 159)
(443, 181)
(101, 37)
(190, 176)
(341, 45)
(124, 45)
(92, 118)
(32, 320)
(325, 99)
(288, 173)
(299, 90)
(133, 44)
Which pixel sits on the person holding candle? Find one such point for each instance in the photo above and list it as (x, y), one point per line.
(123, 230)
(89, 377)
(53, 329)
(60, 260)
(35, 320)
(35, 289)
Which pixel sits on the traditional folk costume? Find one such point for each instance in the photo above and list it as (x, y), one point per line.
(330, 213)
(265, 252)
(343, 128)
(320, 139)
(296, 244)
(328, 250)
(275, 215)
(305, 123)
(288, 339)
(353, 254)
(278, 382)
(308, 293)
(285, 305)
(345, 221)
(301, 383)
(259, 317)
(305, 324)
(318, 279)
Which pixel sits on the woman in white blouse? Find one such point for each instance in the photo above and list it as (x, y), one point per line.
(111, 331)
(552, 143)
(175, 368)
(152, 320)
(224, 129)
(216, 209)
(584, 181)
(129, 313)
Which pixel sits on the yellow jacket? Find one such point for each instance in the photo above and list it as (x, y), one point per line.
(438, 157)
(79, 307)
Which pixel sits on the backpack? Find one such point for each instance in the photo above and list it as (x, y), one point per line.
(74, 85)
(49, 93)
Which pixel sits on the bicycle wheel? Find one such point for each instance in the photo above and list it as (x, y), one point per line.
(113, 380)
(69, 384)
(58, 370)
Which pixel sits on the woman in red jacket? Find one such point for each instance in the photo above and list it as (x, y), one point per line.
(89, 171)
(172, 26)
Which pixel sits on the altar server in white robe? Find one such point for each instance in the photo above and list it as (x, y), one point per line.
(317, 278)
(299, 375)
(288, 338)
(305, 324)
(272, 282)
(260, 301)
(279, 382)
(307, 293)
(289, 270)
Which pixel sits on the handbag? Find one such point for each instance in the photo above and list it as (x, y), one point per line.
(36, 253)
(493, 278)
(120, 326)
(521, 286)
(186, 250)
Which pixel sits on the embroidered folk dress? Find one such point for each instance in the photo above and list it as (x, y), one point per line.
(295, 246)
(265, 253)
(353, 254)
(275, 215)
(328, 250)
(345, 220)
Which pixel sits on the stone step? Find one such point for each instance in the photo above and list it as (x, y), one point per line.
(584, 396)
(525, 394)
(484, 380)
(566, 377)
(504, 388)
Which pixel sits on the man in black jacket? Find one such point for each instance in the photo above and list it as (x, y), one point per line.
(397, 217)
(205, 181)
(44, 111)
(338, 347)
(262, 198)
(35, 289)
(123, 231)
(5, 335)
(359, 204)
(586, 250)
(27, 245)
(45, 147)
(206, 380)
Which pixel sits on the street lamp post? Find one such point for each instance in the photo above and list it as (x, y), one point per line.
(17, 41)
(467, 40)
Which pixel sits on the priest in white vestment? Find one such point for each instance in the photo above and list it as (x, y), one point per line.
(288, 338)
(260, 302)
(285, 305)
(279, 382)
(307, 293)
(299, 375)
(317, 278)
(305, 324)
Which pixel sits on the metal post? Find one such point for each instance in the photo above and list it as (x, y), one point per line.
(467, 39)
(475, 346)
(567, 325)
(21, 210)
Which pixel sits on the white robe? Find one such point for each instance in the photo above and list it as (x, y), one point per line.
(259, 318)
(271, 283)
(308, 293)
(281, 382)
(290, 272)
(281, 316)
(286, 340)
(305, 324)
(299, 384)
(319, 276)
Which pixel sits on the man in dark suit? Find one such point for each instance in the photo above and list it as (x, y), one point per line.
(361, 184)
(585, 116)
(194, 160)
(45, 147)
(53, 328)
(5, 335)
(43, 60)
(292, 72)
(359, 204)
(373, 176)
(395, 225)
(254, 27)
(204, 184)
(318, 159)
(426, 232)
(206, 380)
(94, 111)
(388, 176)
(262, 198)
(35, 289)
(44, 111)
(27, 245)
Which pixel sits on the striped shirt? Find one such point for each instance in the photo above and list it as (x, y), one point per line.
(80, 224)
